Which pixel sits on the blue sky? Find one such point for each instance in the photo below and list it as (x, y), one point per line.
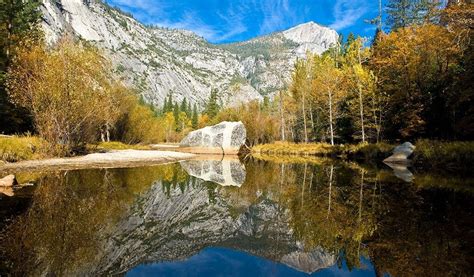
(221, 21)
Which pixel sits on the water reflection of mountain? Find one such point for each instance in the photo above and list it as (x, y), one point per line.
(174, 227)
(308, 215)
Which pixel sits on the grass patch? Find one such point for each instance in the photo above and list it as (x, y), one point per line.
(368, 152)
(15, 149)
(116, 145)
(352, 151)
(287, 148)
(456, 155)
(428, 154)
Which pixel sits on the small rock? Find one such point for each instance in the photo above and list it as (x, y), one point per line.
(8, 181)
(401, 153)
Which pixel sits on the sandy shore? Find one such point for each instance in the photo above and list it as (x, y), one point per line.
(113, 159)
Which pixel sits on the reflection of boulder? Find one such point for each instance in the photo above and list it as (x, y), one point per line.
(309, 262)
(401, 153)
(401, 172)
(227, 172)
(225, 137)
(8, 191)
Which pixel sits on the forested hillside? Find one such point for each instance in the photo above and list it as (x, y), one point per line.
(413, 80)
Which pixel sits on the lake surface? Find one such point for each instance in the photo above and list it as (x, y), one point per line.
(260, 217)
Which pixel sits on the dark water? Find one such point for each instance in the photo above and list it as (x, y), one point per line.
(271, 217)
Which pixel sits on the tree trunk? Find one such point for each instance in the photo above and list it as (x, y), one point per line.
(311, 117)
(304, 121)
(330, 189)
(361, 103)
(304, 183)
(361, 194)
(282, 118)
(107, 132)
(330, 117)
(361, 108)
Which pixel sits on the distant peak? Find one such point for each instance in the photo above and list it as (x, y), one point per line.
(312, 37)
(308, 25)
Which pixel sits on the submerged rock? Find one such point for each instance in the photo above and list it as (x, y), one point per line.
(8, 181)
(401, 153)
(223, 138)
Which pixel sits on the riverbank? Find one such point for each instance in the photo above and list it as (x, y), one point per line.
(112, 159)
(428, 154)
(350, 151)
(15, 149)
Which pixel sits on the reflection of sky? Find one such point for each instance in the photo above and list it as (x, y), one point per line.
(215, 261)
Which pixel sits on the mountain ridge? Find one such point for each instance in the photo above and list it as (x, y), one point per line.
(158, 61)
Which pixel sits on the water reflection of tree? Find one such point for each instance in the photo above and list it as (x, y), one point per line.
(423, 232)
(405, 229)
(174, 176)
(70, 214)
(333, 209)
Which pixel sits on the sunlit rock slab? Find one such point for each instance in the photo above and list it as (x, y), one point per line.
(225, 137)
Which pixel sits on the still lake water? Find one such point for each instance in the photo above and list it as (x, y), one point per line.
(262, 217)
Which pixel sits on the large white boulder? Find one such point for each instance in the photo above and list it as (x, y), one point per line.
(8, 181)
(401, 153)
(223, 138)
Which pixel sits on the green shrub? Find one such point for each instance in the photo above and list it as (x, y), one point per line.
(14, 149)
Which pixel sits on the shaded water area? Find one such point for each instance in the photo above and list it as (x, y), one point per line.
(266, 216)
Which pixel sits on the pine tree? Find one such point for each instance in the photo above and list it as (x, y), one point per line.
(399, 13)
(176, 112)
(265, 104)
(403, 13)
(212, 107)
(183, 106)
(350, 39)
(168, 105)
(189, 110)
(194, 119)
(425, 11)
(165, 105)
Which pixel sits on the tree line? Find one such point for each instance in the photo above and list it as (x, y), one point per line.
(411, 81)
(69, 95)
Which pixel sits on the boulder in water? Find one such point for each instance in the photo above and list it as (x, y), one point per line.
(401, 153)
(223, 138)
(8, 181)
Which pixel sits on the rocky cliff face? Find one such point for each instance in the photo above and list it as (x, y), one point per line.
(158, 61)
